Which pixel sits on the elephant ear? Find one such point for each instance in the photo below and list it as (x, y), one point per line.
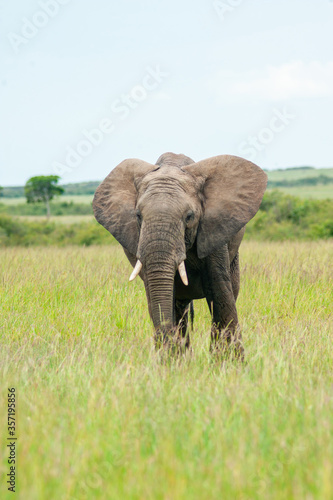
(115, 200)
(232, 190)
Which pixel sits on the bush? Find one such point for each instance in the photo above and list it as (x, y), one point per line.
(26, 233)
(282, 216)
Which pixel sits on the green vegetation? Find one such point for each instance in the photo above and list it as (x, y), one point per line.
(100, 417)
(58, 219)
(319, 192)
(293, 174)
(42, 189)
(57, 208)
(77, 189)
(307, 181)
(13, 191)
(285, 217)
(80, 200)
(81, 188)
(281, 217)
(289, 178)
(22, 232)
(297, 168)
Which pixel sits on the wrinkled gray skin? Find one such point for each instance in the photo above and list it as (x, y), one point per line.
(179, 210)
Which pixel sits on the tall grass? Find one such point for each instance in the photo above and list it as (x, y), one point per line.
(99, 416)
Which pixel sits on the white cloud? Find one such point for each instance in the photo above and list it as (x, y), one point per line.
(278, 83)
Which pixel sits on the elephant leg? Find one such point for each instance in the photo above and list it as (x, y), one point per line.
(235, 275)
(182, 310)
(220, 296)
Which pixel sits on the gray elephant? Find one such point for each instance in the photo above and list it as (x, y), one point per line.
(180, 224)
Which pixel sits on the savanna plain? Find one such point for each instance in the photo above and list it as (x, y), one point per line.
(101, 416)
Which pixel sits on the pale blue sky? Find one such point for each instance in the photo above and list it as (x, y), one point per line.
(252, 78)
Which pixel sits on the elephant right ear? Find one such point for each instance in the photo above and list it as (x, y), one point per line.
(232, 190)
(115, 200)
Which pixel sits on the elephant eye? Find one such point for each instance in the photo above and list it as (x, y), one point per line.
(139, 216)
(190, 216)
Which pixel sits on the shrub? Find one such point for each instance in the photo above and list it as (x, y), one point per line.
(26, 233)
(282, 216)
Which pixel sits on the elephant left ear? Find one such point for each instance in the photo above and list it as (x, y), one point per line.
(115, 199)
(232, 190)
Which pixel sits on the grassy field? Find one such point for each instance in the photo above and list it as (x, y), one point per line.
(67, 198)
(320, 192)
(100, 417)
(298, 173)
(59, 219)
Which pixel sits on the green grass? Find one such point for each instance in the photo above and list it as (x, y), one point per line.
(59, 219)
(306, 178)
(320, 192)
(68, 198)
(298, 173)
(100, 417)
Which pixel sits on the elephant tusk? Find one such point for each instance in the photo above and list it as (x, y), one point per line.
(182, 273)
(136, 270)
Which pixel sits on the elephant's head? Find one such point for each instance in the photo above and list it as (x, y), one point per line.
(158, 212)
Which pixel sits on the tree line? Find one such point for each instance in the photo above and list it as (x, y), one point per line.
(305, 181)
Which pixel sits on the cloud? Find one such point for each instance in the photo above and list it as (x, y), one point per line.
(277, 83)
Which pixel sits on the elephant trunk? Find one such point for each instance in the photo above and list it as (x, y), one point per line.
(160, 281)
(161, 250)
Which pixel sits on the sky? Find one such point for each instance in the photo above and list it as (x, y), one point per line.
(85, 85)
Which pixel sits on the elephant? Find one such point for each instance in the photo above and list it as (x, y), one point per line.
(180, 224)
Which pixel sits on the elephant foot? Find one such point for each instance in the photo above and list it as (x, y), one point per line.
(226, 344)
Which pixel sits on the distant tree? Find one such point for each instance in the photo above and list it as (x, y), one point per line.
(42, 189)
(1, 191)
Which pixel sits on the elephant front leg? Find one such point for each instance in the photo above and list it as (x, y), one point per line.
(226, 337)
